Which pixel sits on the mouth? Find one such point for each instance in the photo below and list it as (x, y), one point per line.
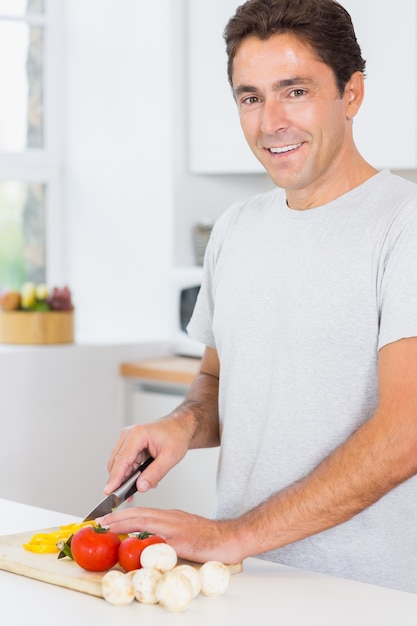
(285, 149)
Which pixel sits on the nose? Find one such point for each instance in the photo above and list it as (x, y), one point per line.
(274, 117)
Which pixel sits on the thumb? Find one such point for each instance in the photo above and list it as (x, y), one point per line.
(154, 473)
(114, 481)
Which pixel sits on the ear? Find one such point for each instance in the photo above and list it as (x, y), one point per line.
(354, 94)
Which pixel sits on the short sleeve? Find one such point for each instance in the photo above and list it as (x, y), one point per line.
(398, 292)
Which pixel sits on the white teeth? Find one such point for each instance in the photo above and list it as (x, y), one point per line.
(285, 149)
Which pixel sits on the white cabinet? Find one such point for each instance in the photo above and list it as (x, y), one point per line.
(190, 485)
(385, 128)
(215, 141)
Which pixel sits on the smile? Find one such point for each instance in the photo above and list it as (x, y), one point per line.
(285, 148)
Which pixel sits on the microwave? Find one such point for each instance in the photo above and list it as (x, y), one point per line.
(186, 285)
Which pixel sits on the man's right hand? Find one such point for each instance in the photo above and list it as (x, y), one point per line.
(167, 441)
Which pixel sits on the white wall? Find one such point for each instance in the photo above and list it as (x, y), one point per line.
(61, 412)
(129, 201)
(119, 176)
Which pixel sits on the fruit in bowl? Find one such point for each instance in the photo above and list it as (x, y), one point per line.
(60, 299)
(34, 297)
(28, 295)
(10, 300)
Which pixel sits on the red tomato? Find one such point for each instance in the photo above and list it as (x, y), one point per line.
(95, 549)
(131, 548)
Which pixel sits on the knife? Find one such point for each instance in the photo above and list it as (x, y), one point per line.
(119, 495)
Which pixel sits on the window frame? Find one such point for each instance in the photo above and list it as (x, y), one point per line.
(46, 165)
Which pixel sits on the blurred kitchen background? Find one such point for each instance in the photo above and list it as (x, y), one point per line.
(119, 147)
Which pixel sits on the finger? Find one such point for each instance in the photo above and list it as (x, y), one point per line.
(139, 519)
(126, 457)
(121, 471)
(127, 520)
(116, 449)
(163, 462)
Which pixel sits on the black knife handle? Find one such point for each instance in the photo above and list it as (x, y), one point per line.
(128, 488)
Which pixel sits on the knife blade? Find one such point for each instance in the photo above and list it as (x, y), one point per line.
(119, 495)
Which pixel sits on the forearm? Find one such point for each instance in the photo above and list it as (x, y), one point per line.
(200, 411)
(376, 458)
(370, 463)
(380, 455)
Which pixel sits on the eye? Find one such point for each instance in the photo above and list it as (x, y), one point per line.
(251, 100)
(297, 93)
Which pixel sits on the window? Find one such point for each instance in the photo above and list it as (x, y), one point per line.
(31, 72)
(22, 233)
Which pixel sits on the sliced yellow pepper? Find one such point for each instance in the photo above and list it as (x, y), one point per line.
(46, 543)
(41, 549)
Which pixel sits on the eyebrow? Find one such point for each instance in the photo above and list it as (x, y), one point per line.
(279, 84)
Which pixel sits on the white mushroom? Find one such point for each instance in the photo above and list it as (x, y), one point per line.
(117, 588)
(144, 581)
(174, 591)
(215, 578)
(160, 556)
(192, 574)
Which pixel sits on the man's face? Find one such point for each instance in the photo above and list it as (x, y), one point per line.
(293, 116)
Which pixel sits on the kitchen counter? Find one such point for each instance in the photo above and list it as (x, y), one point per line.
(176, 369)
(265, 592)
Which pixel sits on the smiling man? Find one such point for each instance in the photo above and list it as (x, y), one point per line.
(296, 120)
(308, 309)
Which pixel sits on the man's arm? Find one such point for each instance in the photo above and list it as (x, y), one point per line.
(202, 402)
(193, 424)
(380, 455)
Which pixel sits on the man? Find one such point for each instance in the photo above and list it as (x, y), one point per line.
(308, 309)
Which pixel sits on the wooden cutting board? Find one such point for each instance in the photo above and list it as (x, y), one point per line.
(46, 567)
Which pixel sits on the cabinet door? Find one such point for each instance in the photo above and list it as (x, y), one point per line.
(190, 485)
(216, 143)
(386, 126)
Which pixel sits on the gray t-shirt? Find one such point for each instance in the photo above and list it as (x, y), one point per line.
(297, 304)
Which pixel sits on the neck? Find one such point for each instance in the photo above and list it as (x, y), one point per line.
(334, 187)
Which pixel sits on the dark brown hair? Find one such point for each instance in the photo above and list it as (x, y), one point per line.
(324, 25)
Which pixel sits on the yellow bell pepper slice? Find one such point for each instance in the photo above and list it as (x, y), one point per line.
(41, 549)
(46, 543)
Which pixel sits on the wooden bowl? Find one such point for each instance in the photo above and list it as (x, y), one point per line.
(36, 327)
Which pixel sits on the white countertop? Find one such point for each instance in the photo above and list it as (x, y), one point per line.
(263, 592)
